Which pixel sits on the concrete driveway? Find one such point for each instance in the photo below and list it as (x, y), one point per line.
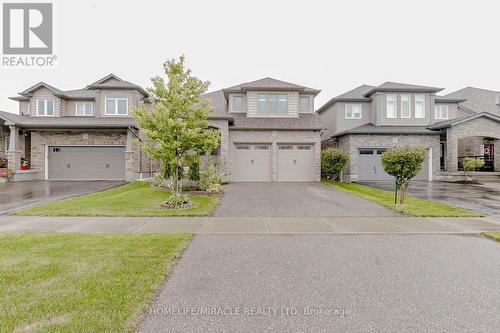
(480, 198)
(18, 195)
(293, 199)
(324, 283)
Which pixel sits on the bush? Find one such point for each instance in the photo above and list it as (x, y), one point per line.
(403, 163)
(333, 161)
(177, 201)
(471, 164)
(214, 188)
(194, 167)
(211, 177)
(5, 173)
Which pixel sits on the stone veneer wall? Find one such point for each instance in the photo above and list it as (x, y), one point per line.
(351, 143)
(276, 137)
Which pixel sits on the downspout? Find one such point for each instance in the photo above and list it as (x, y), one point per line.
(140, 150)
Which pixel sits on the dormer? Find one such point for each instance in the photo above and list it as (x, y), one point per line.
(269, 97)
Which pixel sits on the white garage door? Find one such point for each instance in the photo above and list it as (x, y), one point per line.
(295, 163)
(87, 163)
(252, 163)
(370, 166)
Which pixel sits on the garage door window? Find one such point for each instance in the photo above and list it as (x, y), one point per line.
(261, 147)
(240, 147)
(366, 151)
(285, 147)
(304, 147)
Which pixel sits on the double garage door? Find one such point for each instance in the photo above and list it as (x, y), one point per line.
(254, 163)
(370, 166)
(86, 163)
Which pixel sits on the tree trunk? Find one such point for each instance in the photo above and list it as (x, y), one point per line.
(176, 180)
(396, 193)
(402, 191)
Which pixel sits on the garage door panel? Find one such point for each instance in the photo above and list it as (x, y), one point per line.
(87, 163)
(370, 166)
(295, 162)
(252, 162)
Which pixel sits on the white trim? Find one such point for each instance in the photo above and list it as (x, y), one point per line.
(68, 145)
(84, 115)
(310, 104)
(439, 115)
(116, 99)
(243, 103)
(45, 108)
(408, 100)
(429, 157)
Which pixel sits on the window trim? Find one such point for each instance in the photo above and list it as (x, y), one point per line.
(242, 104)
(84, 115)
(409, 105)
(309, 103)
(46, 102)
(352, 117)
(441, 106)
(422, 116)
(277, 95)
(116, 99)
(395, 116)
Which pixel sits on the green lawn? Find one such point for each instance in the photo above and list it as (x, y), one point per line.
(133, 199)
(82, 282)
(493, 235)
(412, 207)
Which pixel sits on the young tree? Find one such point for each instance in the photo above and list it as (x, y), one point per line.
(333, 161)
(403, 163)
(178, 123)
(471, 164)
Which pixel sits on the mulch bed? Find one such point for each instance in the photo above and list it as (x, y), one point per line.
(184, 205)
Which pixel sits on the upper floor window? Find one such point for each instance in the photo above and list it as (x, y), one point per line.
(441, 111)
(352, 111)
(419, 106)
(305, 104)
(391, 111)
(405, 106)
(83, 109)
(237, 104)
(116, 104)
(45, 108)
(272, 104)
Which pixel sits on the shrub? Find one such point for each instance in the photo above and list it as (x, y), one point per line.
(214, 188)
(5, 173)
(194, 167)
(471, 164)
(333, 161)
(177, 201)
(210, 177)
(403, 163)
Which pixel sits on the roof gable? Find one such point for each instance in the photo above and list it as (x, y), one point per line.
(110, 77)
(355, 95)
(396, 86)
(269, 83)
(32, 89)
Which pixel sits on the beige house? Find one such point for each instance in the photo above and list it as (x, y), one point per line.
(269, 132)
(369, 119)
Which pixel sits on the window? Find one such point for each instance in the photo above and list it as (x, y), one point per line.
(237, 104)
(116, 104)
(405, 106)
(391, 107)
(441, 111)
(352, 111)
(240, 147)
(419, 106)
(285, 147)
(83, 109)
(263, 147)
(366, 151)
(305, 104)
(304, 147)
(272, 104)
(45, 108)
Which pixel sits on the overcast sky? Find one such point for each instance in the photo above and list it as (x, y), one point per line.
(329, 45)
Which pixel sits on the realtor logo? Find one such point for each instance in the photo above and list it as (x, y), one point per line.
(27, 28)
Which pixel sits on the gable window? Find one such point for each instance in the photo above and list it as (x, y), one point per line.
(391, 107)
(419, 106)
(441, 111)
(352, 111)
(83, 109)
(116, 104)
(237, 104)
(305, 104)
(45, 108)
(272, 104)
(405, 106)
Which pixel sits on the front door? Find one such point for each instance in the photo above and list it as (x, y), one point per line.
(489, 157)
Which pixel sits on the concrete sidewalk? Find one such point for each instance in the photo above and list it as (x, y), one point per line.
(251, 225)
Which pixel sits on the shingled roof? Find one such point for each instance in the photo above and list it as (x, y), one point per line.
(269, 83)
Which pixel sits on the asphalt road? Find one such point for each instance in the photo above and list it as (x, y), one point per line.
(327, 283)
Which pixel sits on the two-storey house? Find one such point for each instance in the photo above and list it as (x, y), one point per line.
(367, 120)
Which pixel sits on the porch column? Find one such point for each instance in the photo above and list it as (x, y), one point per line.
(451, 151)
(14, 153)
(496, 156)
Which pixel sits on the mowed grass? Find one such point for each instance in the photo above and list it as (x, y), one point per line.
(133, 199)
(82, 282)
(495, 235)
(413, 206)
